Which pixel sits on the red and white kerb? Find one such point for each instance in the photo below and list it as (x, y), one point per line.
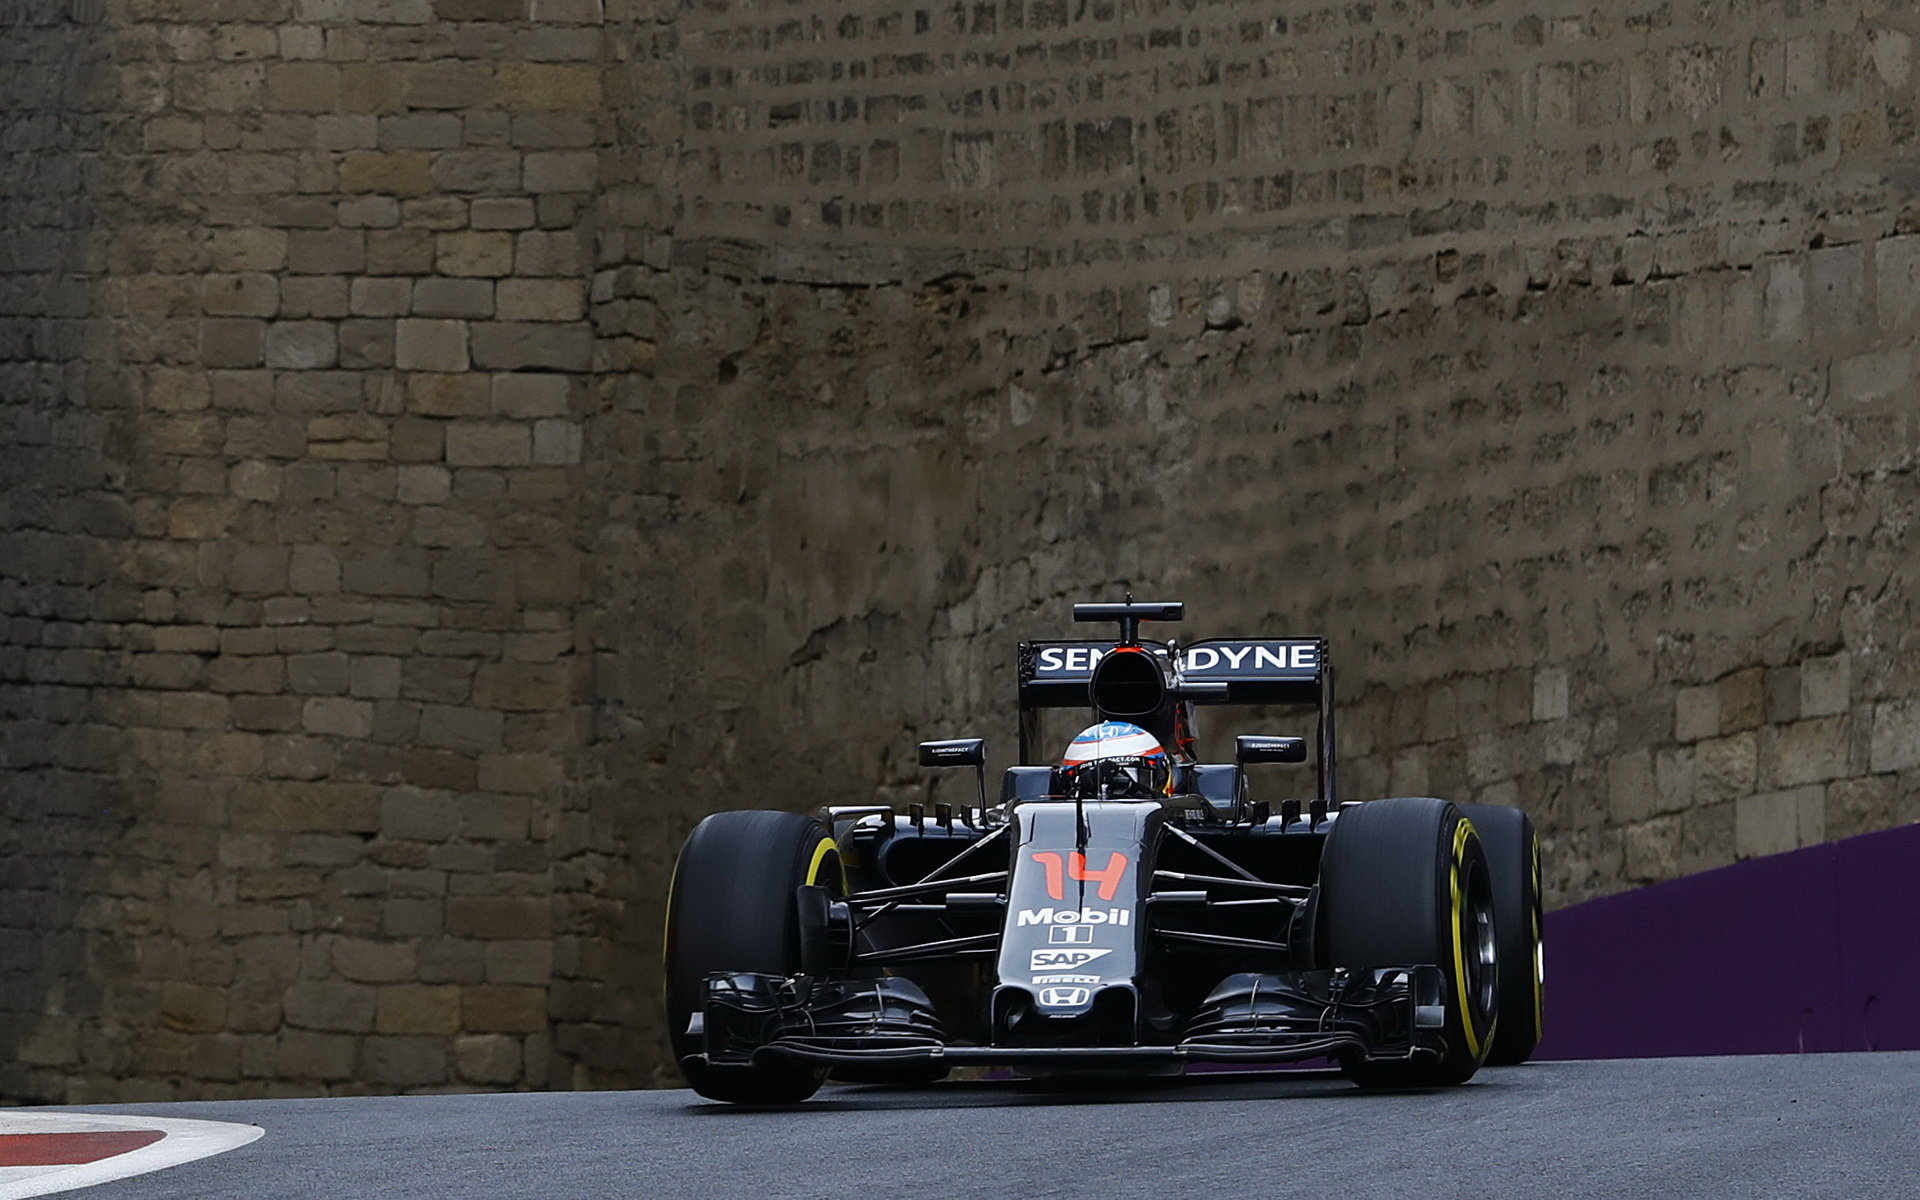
(46, 1152)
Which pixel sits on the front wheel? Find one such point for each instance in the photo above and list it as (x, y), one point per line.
(731, 907)
(1404, 882)
(1513, 854)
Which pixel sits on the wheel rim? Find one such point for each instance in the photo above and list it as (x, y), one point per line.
(1477, 936)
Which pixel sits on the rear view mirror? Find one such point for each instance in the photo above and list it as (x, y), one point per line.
(1250, 749)
(956, 752)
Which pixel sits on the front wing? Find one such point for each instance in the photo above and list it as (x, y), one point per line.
(1388, 1014)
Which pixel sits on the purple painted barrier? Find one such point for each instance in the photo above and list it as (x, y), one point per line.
(1816, 950)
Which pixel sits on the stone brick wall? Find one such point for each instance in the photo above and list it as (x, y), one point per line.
(290, 574)
(453, 445)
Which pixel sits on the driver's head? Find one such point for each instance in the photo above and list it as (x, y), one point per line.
(1115, 760)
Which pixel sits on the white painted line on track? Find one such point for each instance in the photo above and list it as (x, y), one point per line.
(183, 1142)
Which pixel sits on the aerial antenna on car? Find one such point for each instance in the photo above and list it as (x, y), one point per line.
(1130, 613)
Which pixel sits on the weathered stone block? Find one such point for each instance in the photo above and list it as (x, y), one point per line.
(522, 687)
(542, 252)
(478, 171)
(562, 171)
(502, 212)
(1862, 805)
(496, 917)
(415, 441)
(404, 1062)
(528, 394)
(521, 346)
(466, 729)
(439, 526)
(193, 1008)
(425, 345)
(338, 717)
(364, 960)
(329, 1006)
(418, 1008)
(1826, 685)
(1895, 739)
(487, 1058)
(542, 300)
(1812, 751)
(369, 212)
(527, 774)
(1743, 700)
(447, 395)
(414, 918)
(399, 251)
(441, 680)
(422, 485)
(232, 342)
(302, 1055)
(301, 345)
(501, 1009)
(550, 86)
(376, 677)
(313, 570)
(326, 252)
(409, 814)
(453, 297)
(1725, 767)
(366, 344)
(303, 87)
(494, 445)
(380, 297)
(1696, 713)
(529, 962)
(495, 818)
(252, 294)
(325, 674)
(392, 173)
(1653, 850)
(474, 253)
(420, 131)
(1776, 822)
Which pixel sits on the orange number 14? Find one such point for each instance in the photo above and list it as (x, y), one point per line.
(1076, 868)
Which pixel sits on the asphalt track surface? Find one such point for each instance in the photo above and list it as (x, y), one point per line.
(1840, 1125)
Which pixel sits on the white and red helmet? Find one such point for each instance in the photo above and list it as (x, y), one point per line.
(1115, 760)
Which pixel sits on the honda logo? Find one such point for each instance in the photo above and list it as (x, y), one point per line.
(1064, 997)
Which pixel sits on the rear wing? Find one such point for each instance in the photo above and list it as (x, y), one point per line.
(1058, 674)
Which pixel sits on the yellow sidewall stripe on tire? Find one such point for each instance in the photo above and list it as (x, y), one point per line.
(827, 846)
(1534, 967)
(1461, 833)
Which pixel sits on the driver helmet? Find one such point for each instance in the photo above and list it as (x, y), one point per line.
(1118, 761)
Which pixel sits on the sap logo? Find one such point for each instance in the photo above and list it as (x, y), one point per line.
(1304, 656)
(1063, 960)
(1070, 658)
(1040, 979)
(1064, 997)
(1070, 935)
(1074, 916)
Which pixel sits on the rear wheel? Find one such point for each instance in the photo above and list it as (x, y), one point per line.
(1404, 882)
(1513, 854)
(731, 908)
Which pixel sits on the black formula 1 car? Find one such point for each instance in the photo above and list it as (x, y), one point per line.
(1126, 909)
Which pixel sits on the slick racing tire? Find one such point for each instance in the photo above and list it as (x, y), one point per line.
(731, 907)
(1513, 854)
(1404, 882)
